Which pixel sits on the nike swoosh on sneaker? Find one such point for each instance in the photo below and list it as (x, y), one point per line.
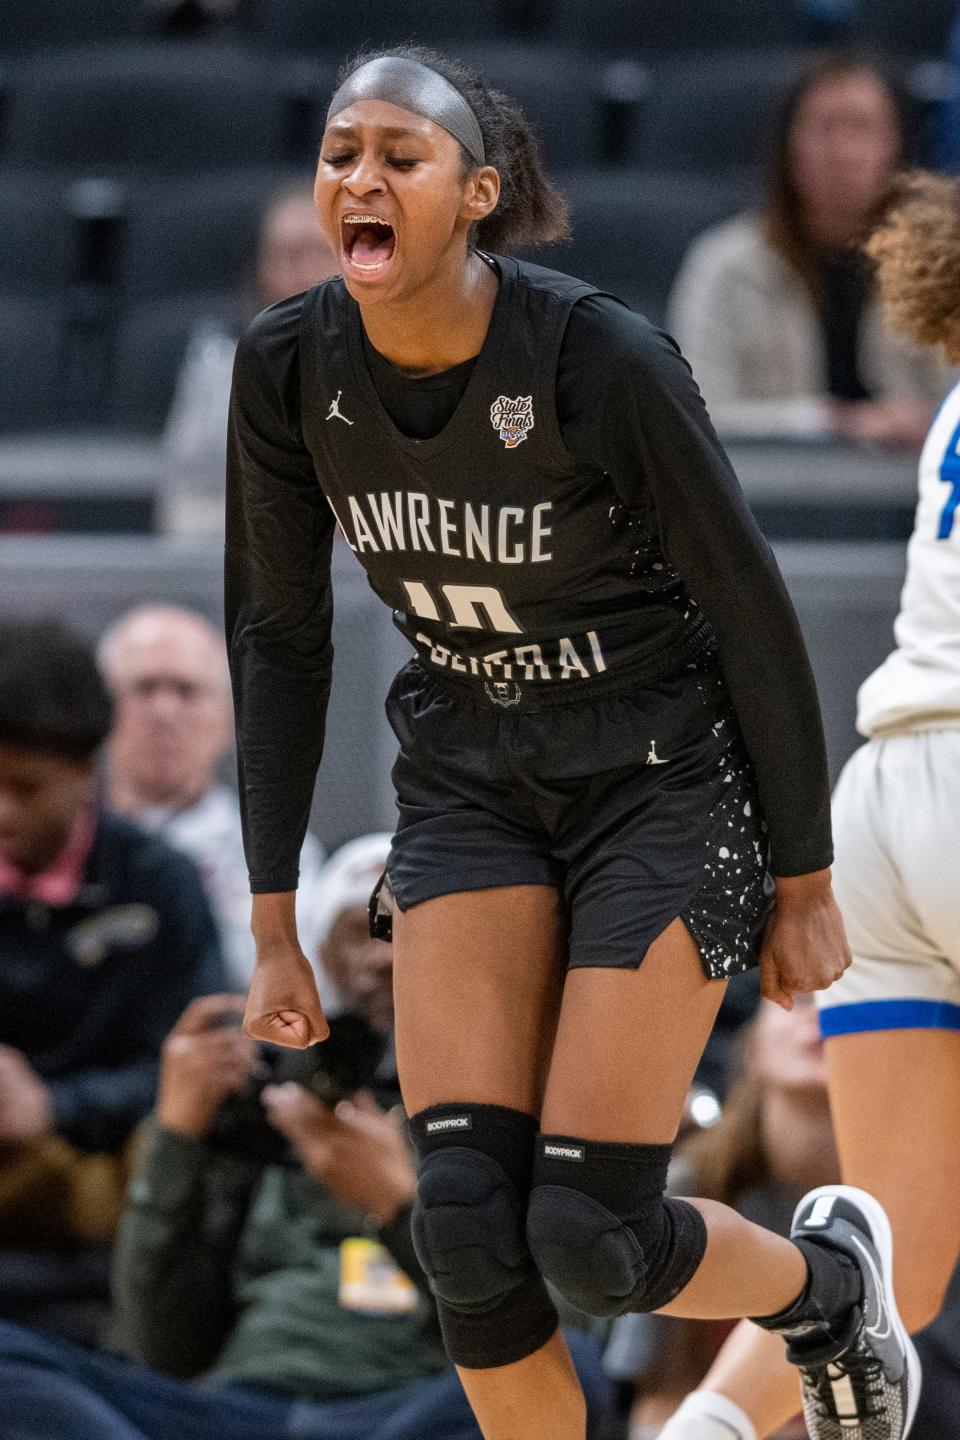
(881, 1327)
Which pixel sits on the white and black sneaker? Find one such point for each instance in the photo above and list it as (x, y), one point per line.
(868, 1389)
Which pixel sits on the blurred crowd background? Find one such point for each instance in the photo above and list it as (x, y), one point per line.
(723, 160)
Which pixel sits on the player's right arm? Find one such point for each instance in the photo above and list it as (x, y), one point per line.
(278, 612)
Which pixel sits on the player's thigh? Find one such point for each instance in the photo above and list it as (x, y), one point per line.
(892, 1022)
(628, 1042)
(477, 980)
(895, 1097)
(928, 833)
(896, 824)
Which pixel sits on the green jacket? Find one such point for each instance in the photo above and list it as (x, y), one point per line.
(235, 1272)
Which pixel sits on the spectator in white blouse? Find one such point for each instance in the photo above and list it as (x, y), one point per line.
(775, 311)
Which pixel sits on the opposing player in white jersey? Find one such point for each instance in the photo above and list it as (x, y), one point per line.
(892, 1022)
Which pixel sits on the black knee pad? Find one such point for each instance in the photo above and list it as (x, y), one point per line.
(468, 1231)
(601, 1229)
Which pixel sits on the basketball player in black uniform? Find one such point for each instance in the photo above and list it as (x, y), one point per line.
(609, 737)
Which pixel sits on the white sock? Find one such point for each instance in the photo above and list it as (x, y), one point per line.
(706, 1415)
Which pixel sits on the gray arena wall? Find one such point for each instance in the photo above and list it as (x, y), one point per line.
(846, 594)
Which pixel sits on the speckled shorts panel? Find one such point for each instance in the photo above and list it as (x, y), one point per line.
(638, 808)
(728, 914)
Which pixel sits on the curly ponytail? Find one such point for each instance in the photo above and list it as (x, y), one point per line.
(915, 252)
(531, 210)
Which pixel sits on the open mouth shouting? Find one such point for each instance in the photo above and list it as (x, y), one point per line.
(367, 244)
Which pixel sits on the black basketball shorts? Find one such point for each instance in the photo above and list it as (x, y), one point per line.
(637, 806)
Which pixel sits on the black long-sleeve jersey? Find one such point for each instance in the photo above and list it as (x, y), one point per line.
(572, 517)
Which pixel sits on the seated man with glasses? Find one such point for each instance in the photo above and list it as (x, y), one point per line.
(167, 671)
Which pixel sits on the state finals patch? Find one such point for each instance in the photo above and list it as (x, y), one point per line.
(512, 419)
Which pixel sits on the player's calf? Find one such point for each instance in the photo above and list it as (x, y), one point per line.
(860, 1376)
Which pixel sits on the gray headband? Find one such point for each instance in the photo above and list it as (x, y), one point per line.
(416, 88)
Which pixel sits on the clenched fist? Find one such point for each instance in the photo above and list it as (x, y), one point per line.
(283, 1005)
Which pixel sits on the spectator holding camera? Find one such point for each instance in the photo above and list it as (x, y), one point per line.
(105, 935)
(292, 1288)
(167, 670)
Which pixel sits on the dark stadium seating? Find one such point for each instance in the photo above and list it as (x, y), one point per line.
(711, 111)
(554, 88)
(905, 27)
(196, 136)
(641, 27)
(329, 25)
(196, 234)
(631, 229)
(32, 351)
(150, 344)
(34, 254)
(33, 24)
(161, 107)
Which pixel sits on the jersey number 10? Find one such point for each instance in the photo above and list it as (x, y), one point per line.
(470, 607)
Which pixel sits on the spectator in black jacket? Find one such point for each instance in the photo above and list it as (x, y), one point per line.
(105, 936)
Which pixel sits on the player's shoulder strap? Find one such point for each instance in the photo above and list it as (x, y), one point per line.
(543, 300)
(323, 322)
(564, 290)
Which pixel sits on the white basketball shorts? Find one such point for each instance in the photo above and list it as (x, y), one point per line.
(896, 819)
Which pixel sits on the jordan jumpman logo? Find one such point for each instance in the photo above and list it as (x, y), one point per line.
(335, 412)
(653, 758)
